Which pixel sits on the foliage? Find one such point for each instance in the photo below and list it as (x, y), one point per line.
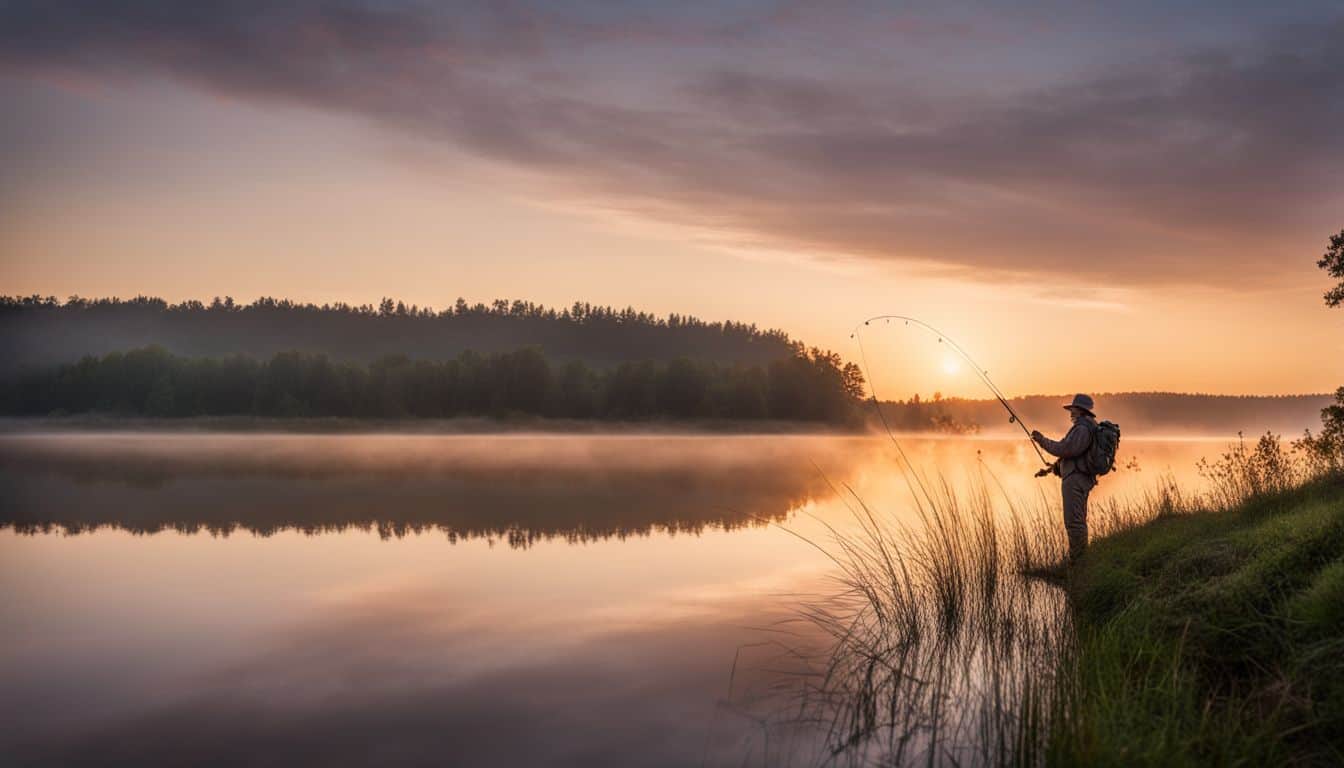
(1242, 473)
(36, 331)
(935, 414)
(1332, 261)
(813, 386)
(1324, 452)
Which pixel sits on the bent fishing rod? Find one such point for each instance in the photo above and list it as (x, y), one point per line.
(983, 375)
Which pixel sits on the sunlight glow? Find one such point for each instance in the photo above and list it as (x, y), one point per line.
(951, 365)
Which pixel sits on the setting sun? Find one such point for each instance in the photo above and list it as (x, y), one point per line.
(951, 365)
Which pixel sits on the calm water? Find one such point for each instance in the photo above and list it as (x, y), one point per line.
(527, 600)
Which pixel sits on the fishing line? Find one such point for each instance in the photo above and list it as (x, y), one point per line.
(943, 338)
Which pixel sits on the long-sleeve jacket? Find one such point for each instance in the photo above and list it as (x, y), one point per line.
(1073, 447)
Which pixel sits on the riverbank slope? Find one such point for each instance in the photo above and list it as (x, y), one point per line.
(1212, 639)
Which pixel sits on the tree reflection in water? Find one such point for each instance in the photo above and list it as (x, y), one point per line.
(528, 490)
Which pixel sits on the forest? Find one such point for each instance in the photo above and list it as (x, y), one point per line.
(276, 357)
(38, 331)
(815, 386)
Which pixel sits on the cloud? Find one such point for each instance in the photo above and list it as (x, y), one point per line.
(1202, 165)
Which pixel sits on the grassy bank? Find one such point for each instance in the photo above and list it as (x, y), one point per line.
(1212, 639)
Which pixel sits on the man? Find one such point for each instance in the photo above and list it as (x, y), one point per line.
(1072, 467)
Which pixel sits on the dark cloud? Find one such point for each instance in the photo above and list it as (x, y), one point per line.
(1196, 165)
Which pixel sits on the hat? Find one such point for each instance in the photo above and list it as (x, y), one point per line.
(1082, 402)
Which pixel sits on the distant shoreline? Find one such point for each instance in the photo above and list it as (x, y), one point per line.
(454, 426)
(478, 426)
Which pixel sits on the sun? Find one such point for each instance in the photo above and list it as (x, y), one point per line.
(951, 365)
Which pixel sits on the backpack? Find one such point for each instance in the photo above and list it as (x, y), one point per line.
(1105, 442)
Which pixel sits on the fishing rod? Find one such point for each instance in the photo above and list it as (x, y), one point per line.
(983, 374)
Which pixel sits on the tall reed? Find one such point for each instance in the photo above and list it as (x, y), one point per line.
(941, 649)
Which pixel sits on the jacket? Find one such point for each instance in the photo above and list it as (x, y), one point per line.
(1072, 450)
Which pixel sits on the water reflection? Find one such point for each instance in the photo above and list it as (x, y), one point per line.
(518, 490)
(602, 637)
(407, 682)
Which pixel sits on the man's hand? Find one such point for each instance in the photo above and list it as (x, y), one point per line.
(1036, 435)
(1044, 472)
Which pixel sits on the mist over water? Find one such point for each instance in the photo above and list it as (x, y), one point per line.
(413, 599)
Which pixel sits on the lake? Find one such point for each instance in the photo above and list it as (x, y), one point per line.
(180, 598)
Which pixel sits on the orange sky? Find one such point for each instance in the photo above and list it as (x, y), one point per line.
(1088, 262)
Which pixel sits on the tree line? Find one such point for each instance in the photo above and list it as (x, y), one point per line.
(36, 331)
(814, 386)
(1134, 411)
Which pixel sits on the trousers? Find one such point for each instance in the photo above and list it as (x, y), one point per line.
(1075, 489)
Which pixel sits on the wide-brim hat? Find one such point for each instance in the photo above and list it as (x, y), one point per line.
(1082, 403)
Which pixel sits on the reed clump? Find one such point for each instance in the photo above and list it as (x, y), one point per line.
(942, 651)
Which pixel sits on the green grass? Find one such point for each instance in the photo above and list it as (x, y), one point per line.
(1211, 639)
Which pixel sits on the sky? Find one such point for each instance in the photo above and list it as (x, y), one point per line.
(1086, 196)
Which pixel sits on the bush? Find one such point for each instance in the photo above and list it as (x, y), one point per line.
(1324, 453)
(1242, 473)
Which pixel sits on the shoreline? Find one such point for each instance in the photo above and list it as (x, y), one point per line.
(484, 426)
(1214, 634)
(455, 426)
